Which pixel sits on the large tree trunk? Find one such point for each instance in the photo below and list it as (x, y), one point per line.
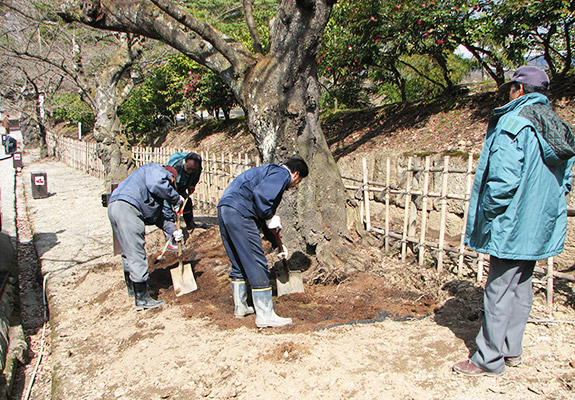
(279, 92)
(283, 116)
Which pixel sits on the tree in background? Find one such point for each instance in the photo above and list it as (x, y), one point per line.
(539, 29)
(100, 68)
(68, 108)
(275, 84)
(151, 107)
(389, 45)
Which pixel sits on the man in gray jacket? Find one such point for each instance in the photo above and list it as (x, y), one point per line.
(135, 203)
(517, 213)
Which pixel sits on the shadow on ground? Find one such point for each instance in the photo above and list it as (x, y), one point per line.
(462, 313)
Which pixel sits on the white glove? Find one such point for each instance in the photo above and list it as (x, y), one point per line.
(283, 254)
(274, 223)
(178, 235)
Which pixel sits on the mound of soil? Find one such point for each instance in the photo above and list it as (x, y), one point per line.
(361, 298)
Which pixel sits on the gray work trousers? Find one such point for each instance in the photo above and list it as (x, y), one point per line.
(130, 231)
(507, 301)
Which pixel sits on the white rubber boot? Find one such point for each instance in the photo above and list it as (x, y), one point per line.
(240, 293)
(265, 314)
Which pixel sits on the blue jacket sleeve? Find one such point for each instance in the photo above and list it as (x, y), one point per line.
(268, 193)
(504, 174)
(167, 226)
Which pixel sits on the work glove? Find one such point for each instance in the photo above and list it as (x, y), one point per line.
(178, 235)
(283, 254)
(274, 223)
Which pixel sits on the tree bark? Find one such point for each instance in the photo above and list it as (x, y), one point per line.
(279, 93)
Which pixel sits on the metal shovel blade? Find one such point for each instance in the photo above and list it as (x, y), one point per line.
(182, 276)
(288, 281)
(183, 279)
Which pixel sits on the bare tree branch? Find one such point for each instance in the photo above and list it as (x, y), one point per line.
(233, 51)
(250, 21)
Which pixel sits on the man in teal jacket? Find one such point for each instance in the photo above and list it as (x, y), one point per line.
(517, 213)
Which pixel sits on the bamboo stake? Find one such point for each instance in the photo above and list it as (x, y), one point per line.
(443, 214)
(480, 260)
(406, 213)
(550, 285)
(366, 194)
(465, 214)
(388, 183)
(424, 211)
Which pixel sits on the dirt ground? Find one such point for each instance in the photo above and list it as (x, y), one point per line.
(392, 333)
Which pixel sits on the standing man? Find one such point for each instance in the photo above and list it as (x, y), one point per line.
(189, 168)
(247, 203)
(137, 202)
(517, 213)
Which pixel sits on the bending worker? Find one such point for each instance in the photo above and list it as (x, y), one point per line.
(135, 203)
(247, 203)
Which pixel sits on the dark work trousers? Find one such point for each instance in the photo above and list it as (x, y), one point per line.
(507, 302)
(188, 213)
(130, 231)
(243, 244)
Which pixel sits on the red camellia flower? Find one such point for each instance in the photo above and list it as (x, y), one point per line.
(397, 7)
(419, 22)
(439, 41)
(426, 34)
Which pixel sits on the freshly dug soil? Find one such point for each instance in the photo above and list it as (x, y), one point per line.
(360, 298)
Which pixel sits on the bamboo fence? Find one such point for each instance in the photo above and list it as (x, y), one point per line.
(414, 226)
(77, 154)
(220, 169)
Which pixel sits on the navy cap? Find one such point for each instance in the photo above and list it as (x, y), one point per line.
(528, 75)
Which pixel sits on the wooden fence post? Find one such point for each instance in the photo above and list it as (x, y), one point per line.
(387, 198)
(468, 187)
(409, 175)
(425, 194)
(550, 282)
(366, 194)
(441, 250)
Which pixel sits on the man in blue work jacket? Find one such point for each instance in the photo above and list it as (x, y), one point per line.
(248, 204)
(517, 213)
(136, 202)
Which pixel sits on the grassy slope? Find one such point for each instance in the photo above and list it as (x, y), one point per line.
(448, 124)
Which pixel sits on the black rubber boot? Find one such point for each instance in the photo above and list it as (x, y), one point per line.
(129, 284)
(143, 298)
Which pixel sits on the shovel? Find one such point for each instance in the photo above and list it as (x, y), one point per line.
(182, 276)
(287, 281)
